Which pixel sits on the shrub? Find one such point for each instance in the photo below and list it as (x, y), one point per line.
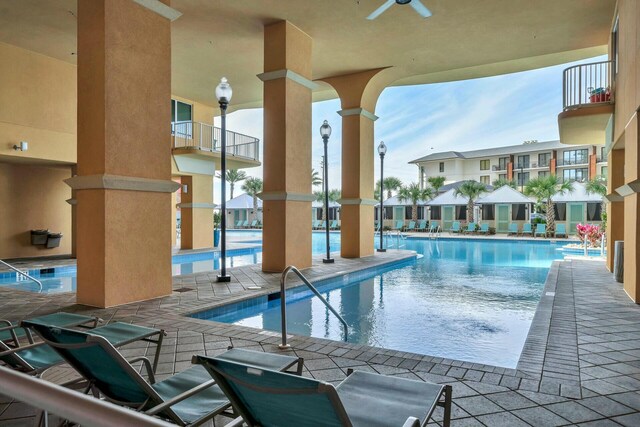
(591, 233)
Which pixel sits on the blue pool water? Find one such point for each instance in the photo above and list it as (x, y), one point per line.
(470, 300)
(63, 279)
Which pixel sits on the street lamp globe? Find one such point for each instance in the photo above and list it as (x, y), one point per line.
(382, 149)
(224, 91)
(325, 130)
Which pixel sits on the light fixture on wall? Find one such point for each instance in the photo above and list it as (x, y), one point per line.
(185, 188)
(24, 146)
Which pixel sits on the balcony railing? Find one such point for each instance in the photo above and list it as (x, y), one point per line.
(202, 136)
(587, 85)
(573, 162)
(498, 168)
(602, 159)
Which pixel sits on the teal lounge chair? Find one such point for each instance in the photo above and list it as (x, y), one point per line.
(254, 223)
(411, 226)
(513, 229)
(434, 226)
(314, 224)
(323, 225)
(268, 399)
(561, 229)
(455, 227)
(245, 224)
(541, 229)
(471, 228)
(398, 225)
(12, 333)
(484, 228)
(334, 225)
(422, 226)
(187, 398)
(526, 229)
(238, 224)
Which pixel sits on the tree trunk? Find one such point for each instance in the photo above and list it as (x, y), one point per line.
(414, 213)
(603, 210)
(470, 211)
(231, 188)
(551, 217)
(389, 195)
(324, 214)
(255, 207)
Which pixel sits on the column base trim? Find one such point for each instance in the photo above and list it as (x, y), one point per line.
(364, 202)
(358, 112)
(288, 74)
(286, 196)
(117, 182)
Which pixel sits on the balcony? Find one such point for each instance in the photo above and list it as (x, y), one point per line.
(499, 168)
(576, 162)
(194, 146)
(588, 103)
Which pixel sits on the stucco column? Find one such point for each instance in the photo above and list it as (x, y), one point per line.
(358, 93)
(630, 191)
(615, 203)
(123, 186)
(196, 212)
(286, 235)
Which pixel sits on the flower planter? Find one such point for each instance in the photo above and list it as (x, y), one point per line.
(39, 237)
(53, 240)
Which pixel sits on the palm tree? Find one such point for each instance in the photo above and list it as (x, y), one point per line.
(543, 189)
(501, 182)
(315, 178)
(436, 182)
(252, 186)
(233, 176)
(472, 190)
(391, 184)
(598, 185)
(414, 193)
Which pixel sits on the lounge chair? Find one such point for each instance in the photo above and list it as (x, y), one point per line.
(267, 398)
(526, 229)
(186, 398)
(411, 226)
(399, 224)
(541, 229)
(334, 225)
(12, 333)
(484, 228)
(561, 229)
(513, 229)
(376, 224)
(245, 224)
(422, 226)
(434, 227)
(238, 224)
(455, 227)
(254, 223)
(323, 225)
(471, 228)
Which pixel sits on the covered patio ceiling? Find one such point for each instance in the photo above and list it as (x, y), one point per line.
(463, 39)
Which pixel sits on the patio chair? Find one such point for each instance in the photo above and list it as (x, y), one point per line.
(376, 224)
(561, 229)
(399, 224)
(12, 333)
(254, 223)
(513, 229)
(484, 228)
(259, 226)
(245, 224)
(434, 226)
(186, 398)
(471, 228)
(267, 398)
(334, 225)
(422, 226)
(411, 226)
(541, 229)
(455, 227)
(526, 229)
(239, 224)
(323, 225)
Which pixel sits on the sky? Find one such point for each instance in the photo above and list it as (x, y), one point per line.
(418, 120)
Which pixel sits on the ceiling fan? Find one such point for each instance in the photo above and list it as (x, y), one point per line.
(415, 4)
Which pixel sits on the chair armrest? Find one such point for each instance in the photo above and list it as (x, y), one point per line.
(236, 422)
(147, 364)
(411, 422)
(17, 349)
(179, 398)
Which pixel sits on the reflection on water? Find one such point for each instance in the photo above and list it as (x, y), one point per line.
(463, 300)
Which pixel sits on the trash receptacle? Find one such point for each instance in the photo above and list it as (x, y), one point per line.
(39, 237)
(53, 240)
(618, 261)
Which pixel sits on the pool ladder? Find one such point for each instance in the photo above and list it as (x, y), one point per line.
(22, 273)
(283, 303)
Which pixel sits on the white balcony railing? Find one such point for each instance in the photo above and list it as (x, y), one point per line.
(587, 85)
(202, 136)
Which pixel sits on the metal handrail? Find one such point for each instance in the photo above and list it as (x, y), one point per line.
(22, 273)
(283, 303)
(579, 81)
(207, 137)
(71, 405)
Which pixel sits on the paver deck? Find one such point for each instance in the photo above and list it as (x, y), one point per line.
(580, 364)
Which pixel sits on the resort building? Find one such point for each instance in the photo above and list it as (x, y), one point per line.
(520, 163)
(240, 211)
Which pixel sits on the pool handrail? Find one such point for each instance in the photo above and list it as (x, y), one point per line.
(38, 282)
(283, 304)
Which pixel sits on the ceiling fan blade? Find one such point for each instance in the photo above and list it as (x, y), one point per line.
(420, 8)
(379, 11)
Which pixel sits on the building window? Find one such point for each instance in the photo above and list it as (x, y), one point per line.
(441, 166)
(502, 176)
(488, 212)
(544, 159)
(485, 179)
(436, 213)
(603, 155)
(575, 157)
(579, 175)
(502, 163)
(543, 174)
(523, 162)
(388, 212)
(518, 212)
(461, 213)
(615, 45)
(604, 171)
(594, 211)
(181, 113)
(485, 165)
(523, 178)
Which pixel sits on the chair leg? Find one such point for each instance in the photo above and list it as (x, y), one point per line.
(448, 391)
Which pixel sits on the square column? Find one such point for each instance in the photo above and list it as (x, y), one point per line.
(630, 191)
(123, 187)
(286, 236)
(615, 203)
(196, 212)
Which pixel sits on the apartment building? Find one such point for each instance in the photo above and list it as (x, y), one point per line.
(522, 162)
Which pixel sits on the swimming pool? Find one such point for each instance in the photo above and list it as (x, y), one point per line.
(470, 300)
(63, 279)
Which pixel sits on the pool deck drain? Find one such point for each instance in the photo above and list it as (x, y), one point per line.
(580, 364)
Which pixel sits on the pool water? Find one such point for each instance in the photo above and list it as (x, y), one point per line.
(470, 300)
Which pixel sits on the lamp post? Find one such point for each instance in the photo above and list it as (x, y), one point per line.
(382, 150)
(223, 93)
(325, 132)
